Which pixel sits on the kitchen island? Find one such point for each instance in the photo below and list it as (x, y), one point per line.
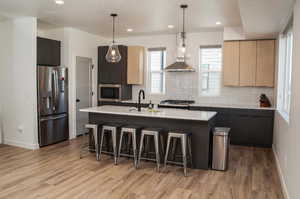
(199, 123)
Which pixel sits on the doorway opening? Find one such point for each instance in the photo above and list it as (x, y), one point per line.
(84, 92)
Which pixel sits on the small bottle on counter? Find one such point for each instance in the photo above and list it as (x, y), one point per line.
(150, 107)
(264, 101)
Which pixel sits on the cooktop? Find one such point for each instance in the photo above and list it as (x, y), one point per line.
(178, 102)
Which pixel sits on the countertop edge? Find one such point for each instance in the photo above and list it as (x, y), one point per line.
(89, 110)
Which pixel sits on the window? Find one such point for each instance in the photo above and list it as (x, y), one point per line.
(285, 71)
(210, 69)
(157, 62)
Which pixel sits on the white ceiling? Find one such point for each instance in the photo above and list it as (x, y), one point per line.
(264, 17)
(153, 16)
(144, 16)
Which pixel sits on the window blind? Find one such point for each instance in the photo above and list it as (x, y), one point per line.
(157, 57)
(210, 68)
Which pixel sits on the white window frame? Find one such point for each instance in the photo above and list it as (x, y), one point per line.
(162, 71)
(286, 41)
(201, 91)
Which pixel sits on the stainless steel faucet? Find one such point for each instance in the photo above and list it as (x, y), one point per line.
(141, 92)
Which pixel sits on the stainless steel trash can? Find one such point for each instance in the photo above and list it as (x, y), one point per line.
(221, 142)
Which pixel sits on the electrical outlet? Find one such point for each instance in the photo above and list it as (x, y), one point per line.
(20, 129)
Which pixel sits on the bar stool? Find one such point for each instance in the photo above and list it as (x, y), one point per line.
(86, 145)
(131, 132)
(156, 133)
(186, 144)
(110, 129)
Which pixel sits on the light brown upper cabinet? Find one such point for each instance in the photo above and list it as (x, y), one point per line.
(265, 63)
(135, 65)
(231, 57)
(247, 63)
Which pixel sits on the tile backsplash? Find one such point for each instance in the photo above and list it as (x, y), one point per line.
(186, 86)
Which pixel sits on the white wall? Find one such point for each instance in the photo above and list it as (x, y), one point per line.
(187, 85)
(5, 60)
(18, 82)
(76, 43)
(287, 134)
(85, 45)
(234, 33)
(1, 126)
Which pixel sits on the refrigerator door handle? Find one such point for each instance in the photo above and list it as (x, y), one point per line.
(55, 89)
(53, 118)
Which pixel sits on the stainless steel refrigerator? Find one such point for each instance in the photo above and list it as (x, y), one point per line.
(52, 104)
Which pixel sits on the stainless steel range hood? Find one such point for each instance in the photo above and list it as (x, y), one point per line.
(179, 66)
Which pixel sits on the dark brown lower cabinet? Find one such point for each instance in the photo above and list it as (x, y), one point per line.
(249, 127)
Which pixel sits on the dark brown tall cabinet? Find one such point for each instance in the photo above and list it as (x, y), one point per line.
(112, 73)
(48, 52)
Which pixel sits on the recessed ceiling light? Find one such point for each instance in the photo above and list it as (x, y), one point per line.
(129, 30)
(59, 2)
(170, 26)
(218, 23)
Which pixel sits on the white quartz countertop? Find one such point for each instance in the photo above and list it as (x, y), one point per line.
(162, 113)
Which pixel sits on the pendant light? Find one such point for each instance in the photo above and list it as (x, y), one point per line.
(113, 54)
(180, 65)
(182, 45)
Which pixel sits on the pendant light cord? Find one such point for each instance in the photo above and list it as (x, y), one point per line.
(183, 28)
(113, 15)
(113, 29)
(183, 19)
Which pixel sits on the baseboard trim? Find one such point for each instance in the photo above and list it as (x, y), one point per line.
(280, 174)
(21, 144)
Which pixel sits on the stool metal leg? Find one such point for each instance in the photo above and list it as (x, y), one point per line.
(96, 140)
(120, 144)
(101, 142)
(114, 140)
(134, 148)
(141, 149)
(184, 147)
(157, 151)
(167, 151)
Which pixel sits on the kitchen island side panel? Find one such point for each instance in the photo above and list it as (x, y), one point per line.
(201, 132)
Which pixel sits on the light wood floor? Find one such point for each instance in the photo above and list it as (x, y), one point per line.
(57, 172)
